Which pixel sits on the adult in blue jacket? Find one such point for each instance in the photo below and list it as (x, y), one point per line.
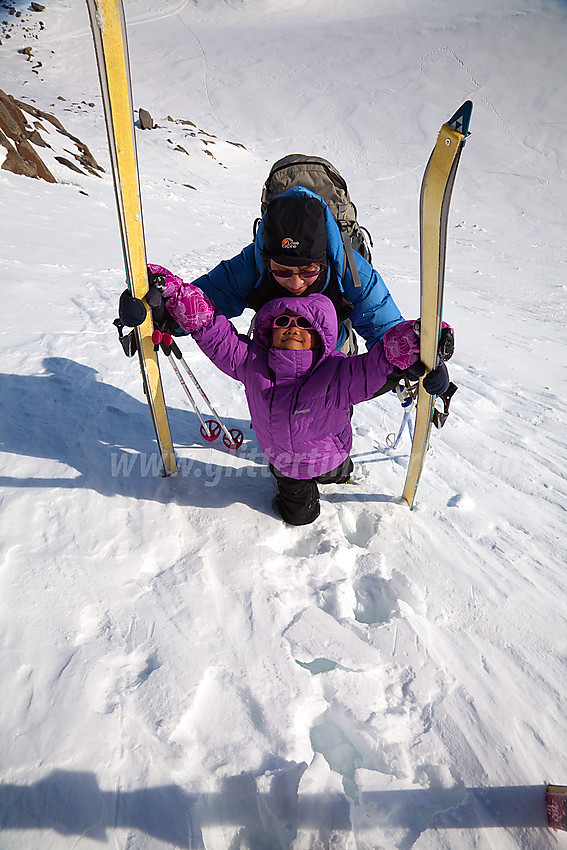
(297, 251)
(297, 237)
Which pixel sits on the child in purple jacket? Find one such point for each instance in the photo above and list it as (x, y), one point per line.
(299, 388)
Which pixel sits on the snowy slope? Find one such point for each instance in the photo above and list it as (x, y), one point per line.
(179, 669)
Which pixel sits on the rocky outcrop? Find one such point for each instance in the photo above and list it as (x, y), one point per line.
(22, 158)
(20, 140)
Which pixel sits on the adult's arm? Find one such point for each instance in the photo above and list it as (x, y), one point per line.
(375, 311)
(230, 283)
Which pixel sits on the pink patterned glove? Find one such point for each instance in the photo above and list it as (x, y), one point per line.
(185, 303)
(401, 344)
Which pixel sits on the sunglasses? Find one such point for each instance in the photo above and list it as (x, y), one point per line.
(286, 320)
(285, 274)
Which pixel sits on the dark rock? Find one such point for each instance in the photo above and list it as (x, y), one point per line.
(37, 139)
(146, 120)
(64, 161)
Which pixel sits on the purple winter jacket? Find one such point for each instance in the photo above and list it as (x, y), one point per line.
(298, 400)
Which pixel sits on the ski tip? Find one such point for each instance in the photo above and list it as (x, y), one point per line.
(461, 119)
(556, 805)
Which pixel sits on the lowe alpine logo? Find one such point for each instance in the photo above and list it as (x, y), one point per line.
(288, 242)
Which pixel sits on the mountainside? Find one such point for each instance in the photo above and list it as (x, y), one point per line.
(179, 668)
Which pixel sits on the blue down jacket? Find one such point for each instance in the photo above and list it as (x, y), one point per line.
(232, 283)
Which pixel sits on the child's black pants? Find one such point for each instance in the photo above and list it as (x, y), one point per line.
(298, 499)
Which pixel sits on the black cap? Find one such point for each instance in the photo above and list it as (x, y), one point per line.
(294, 231)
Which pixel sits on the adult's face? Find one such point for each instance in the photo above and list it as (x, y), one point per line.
(296, 279)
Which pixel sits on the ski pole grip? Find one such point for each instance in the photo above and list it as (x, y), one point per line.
(166, 341)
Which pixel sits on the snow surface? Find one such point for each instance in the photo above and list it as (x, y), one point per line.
(179, 669)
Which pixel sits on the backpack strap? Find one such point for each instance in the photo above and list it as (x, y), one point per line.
(263, 291)
(349, 254)
(341, 303)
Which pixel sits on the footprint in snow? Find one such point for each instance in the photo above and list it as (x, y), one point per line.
(378, 599)
(328, 531)
(338, 599)
(299, 542)
(359, 529)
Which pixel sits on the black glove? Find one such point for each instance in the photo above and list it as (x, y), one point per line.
(155, 297)
(132, 311)
(415, 372)
(437, 382)
(156, 302)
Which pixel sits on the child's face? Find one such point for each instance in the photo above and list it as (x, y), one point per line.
(294, 338)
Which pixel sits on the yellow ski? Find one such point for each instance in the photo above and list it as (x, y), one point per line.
(436, 189)
(111, 49)
(556, 804)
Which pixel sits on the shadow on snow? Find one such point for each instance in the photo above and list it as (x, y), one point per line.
(71, 803)
(105, 434)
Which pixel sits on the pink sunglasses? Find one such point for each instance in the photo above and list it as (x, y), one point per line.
(286, 320)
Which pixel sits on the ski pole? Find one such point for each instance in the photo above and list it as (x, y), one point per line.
(232, 438)
(407, 400)
(210, 428)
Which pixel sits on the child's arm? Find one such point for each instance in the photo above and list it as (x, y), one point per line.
(222, 344)
(397, 355)
(362, 376)
(195, 313)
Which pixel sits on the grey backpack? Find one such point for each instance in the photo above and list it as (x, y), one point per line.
(321, 177)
